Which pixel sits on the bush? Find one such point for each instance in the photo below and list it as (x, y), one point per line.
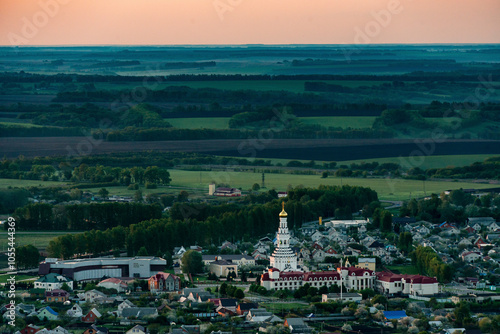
(151, 185)
(133, 186)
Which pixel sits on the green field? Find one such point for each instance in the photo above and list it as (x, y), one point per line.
(408, 270)
(295, 86)
(38, 239)
(278, 307)
(387, 189)
(200, 123)
(6, 183)
(223, 122)
(340, 121)
(3, 278)
(435, 161)
(17, 122)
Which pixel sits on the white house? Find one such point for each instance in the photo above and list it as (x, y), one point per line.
(75, 311)
(59, 330)
(417, 285)
(470, 256)
(465, 242)
(362, 229)
(316, 236)
(417, 237)
(92, 295)
(423, 230)
(346, 297)
(137, 329)
(52, 281)
(123, 305)
(352, 278)
(493, 227)
(114, 283)
(451, 231)
(319, 255)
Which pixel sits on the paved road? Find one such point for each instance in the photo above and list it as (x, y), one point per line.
(394, 204)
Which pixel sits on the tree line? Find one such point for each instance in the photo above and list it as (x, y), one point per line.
(78, 217)
(428, 262)
(205, 225)
(488, 169)
(318, 132)
(83, 173)
(24, 77)
(455, 207)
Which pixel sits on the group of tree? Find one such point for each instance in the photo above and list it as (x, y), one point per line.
(84, 173)
(427, 261)
(27, 256)
(125, 176)
(262, 116)
(455, 207)
(382, 219)
(488, 169)
(122, 167)
(405, 242)
(192, 262)
(231, 291)
(452, 76)
(11, 199)
(300, 132)
(204, 224)
(78, 217)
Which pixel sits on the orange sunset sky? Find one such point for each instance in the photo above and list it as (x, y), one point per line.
(126, 22)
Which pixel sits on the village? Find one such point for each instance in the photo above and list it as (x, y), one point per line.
(329, 276)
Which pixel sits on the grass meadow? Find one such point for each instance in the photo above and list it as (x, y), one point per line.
(387, 189)
(14, 183)
(340, 121)
(38, 239)
(196, 182)
(294, 86)
(200, 123)
(405, 270)
(223, 122)
(279, 307)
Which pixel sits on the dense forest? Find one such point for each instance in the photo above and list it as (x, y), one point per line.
(202, 224)
(455, 207)
(78, 217)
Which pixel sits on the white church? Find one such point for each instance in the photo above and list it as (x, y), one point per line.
(283, 273)
(283, 258)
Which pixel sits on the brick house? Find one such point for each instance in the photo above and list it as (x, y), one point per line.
(56, 296)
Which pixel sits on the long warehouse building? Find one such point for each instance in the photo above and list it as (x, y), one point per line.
(97, 268)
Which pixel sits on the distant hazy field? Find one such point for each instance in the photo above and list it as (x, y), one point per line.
(295, 86)
(387, 189)
(5, 183)
(199, 123)
(38, 239)
(196, 183)
(223, 122)
(433, 161)
(355, 122)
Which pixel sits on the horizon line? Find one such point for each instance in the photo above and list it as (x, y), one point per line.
(243, 44)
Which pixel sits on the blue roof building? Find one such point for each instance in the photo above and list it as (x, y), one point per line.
(389, 315)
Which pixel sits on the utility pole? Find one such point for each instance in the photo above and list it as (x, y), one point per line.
(340, 272)
(263, 180)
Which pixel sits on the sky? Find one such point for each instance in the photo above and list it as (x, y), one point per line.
(166, 22)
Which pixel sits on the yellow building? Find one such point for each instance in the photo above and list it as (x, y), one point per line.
(367, 263)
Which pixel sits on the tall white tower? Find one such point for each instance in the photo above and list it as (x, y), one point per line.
(283, 258)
